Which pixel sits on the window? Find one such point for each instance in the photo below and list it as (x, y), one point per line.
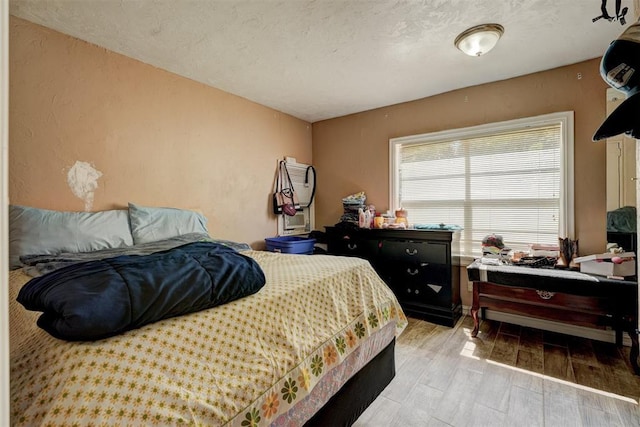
(510, 178)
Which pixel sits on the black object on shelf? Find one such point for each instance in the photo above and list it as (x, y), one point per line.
(628, 241)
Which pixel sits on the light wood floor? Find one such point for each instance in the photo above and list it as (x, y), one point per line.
(507, 376)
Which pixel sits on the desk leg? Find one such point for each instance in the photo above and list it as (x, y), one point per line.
(475, 306)
(633, 334)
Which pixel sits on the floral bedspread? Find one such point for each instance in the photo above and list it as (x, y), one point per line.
(271, 358)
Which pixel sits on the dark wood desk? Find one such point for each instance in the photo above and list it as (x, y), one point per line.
(559, 295)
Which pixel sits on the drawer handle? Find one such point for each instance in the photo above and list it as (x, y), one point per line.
(545, 294)
(352, 247)
(413, 272)
(411, 252)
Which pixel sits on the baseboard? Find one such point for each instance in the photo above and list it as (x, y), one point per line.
(548, 325)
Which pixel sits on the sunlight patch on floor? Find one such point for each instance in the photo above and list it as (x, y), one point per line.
(564, 382)
(470, 347)
(468, 350)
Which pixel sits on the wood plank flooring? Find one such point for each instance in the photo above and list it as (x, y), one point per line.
(508, 376)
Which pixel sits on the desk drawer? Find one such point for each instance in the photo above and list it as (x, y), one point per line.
(590, 319)
(547, 299)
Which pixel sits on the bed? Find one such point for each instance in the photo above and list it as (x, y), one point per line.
(313, 344)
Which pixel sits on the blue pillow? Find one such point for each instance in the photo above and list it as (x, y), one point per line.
(153, 224)
(40, 231)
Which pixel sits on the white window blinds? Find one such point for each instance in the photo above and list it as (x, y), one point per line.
(510, 180)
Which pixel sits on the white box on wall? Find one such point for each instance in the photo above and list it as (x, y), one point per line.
(303, 179)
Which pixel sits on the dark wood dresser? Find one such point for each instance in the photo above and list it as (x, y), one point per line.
(418, 265)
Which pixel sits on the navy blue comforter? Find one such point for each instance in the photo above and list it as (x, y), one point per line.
(103, 298)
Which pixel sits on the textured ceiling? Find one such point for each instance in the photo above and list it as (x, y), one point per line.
(322, 59)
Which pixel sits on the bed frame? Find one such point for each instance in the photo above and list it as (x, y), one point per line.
(344, 408)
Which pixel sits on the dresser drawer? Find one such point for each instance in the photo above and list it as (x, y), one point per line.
(418, 252)
(424, 292)
(350, 245)
(427, 284)
(415, 273)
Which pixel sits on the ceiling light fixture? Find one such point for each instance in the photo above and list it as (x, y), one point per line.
(480, 39)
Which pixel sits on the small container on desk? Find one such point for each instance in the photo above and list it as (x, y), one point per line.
(290, 245)
(609, 264)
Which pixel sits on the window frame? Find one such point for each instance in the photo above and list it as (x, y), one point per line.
(566, 226)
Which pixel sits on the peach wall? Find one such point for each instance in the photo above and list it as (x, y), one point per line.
(351, 153)
(163, 140)
(158, 139)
